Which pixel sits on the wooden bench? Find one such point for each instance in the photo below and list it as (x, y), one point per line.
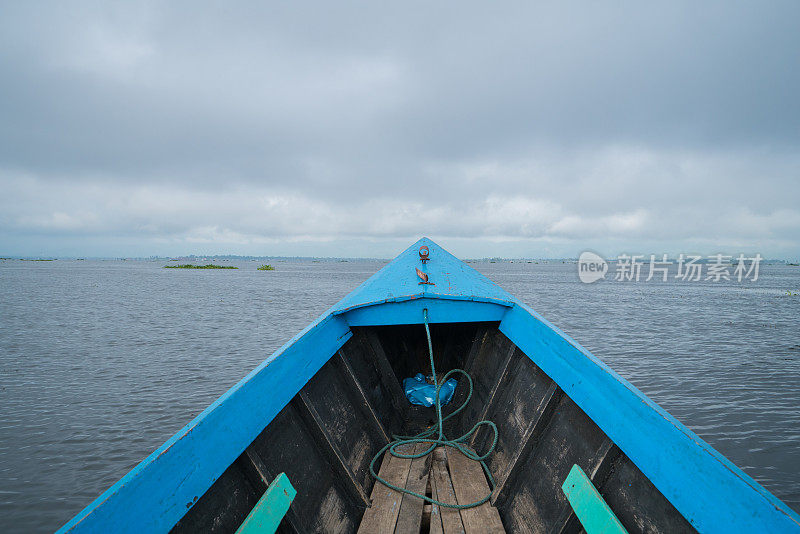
(268, 512)
(446, 475)
(589, 506)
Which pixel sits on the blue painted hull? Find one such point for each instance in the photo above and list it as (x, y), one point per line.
(707, 491)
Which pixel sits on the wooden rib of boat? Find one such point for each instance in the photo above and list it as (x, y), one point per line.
(324, 404)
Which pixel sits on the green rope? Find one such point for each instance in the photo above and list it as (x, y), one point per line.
(440, 439)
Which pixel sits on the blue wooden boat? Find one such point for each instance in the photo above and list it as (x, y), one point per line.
(319, 409)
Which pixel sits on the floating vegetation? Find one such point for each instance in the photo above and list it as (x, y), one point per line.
(266, 267)
(791, 293)
(190, 266)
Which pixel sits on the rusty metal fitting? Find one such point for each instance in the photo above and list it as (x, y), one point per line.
(424, 253)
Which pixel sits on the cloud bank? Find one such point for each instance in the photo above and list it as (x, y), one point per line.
(509, 129)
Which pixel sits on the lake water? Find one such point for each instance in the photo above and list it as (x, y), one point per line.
(102, 361)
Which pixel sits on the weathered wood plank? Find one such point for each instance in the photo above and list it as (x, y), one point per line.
(361, 359)
(598, 468)
(338, 460)
(264, 473)
(410, 517)
(382, 516)
(258, 464)
(226, 505)
(495, 387)
(436, 515)
(290, 444)
(443, 491)
(469, 482)
(477, 343)
(458, 425)
(595, 515)
(268, 512)
(384, 368)
(351, 377)
(532, 433)
(534, 497)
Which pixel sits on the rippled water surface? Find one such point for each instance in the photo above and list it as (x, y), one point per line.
(102, 361)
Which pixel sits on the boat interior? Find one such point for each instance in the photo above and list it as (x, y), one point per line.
(326, 437)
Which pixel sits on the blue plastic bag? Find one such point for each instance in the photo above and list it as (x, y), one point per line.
(418, 391)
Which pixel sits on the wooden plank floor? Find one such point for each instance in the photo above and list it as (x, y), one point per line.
(446, 475)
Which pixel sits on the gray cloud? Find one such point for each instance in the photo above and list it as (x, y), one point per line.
(516, 129)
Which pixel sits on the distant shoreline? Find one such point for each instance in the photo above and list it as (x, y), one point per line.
(324, 259)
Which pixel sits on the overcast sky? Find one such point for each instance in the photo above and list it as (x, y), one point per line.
(351, 130)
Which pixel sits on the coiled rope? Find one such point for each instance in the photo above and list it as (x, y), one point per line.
(440, 439)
